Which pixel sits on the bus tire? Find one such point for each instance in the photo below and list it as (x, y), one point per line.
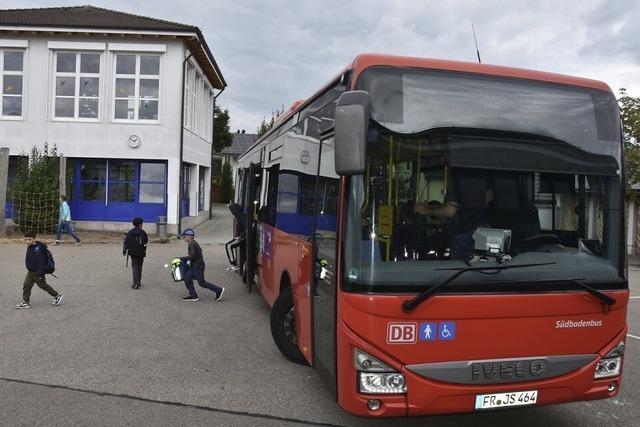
(243, 271)
(283, 326)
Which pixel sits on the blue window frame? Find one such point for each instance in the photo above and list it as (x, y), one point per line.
(186, 188)
(93, 181)
(11, 178)
(117, 190)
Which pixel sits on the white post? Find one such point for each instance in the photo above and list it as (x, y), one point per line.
(4, 172)
(62, 177)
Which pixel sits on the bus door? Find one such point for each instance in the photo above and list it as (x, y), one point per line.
(268, 279)
(323, 295)
(252, 196)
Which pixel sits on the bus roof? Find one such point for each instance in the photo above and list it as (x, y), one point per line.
(364, 61)
(367, 60)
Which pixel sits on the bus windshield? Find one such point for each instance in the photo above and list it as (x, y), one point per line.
(445, 193)
(409, 101)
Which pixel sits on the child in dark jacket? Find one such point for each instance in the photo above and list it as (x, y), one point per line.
(36, 263)
(195, 261)
(135, 246)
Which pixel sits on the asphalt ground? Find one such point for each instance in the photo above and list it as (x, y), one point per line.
(111, 355)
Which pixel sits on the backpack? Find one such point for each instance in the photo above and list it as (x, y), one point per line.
(50, 266)
(178, 269)
(136, 245)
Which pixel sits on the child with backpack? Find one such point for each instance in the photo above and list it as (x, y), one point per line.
(195, 261)
(39, 262)
(135, 246)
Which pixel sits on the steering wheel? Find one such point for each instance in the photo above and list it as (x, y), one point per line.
(541, 239)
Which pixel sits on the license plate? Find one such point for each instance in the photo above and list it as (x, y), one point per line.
(504, 400)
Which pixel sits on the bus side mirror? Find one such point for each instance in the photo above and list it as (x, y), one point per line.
(351, 130)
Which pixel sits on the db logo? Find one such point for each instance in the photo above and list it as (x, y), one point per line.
(401, 333)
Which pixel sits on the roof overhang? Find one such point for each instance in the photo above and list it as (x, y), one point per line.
(203, 55)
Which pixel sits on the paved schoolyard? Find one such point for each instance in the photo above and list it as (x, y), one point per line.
(111, 355)
(107, 337)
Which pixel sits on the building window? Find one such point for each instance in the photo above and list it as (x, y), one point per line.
(194, 101)
(77, 85)
(204, 111)
(137, 87)
(11, 82)
(208, 135)
(152, 177)
(188, 88)
(198, 104)
(122, 181)
(93, 174)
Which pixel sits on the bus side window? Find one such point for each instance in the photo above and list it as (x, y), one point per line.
(267, 212)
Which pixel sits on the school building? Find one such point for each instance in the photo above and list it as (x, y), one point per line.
(128, 100)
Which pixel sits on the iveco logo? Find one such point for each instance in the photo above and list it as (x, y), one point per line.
(508, 369)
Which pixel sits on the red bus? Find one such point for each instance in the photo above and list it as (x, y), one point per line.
(438, 237)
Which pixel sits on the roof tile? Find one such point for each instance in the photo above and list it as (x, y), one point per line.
(87, 17)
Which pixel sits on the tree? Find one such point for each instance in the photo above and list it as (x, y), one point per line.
(265, 126)
(221, 135)
(34, 194)
(630, 110)
(216, 171)
(227, 183)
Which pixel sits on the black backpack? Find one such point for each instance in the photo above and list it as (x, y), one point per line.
(136, 245)
(50, 266)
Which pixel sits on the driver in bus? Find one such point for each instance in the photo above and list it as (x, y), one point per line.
(463, 216)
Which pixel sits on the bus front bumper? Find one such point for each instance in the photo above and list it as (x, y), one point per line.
(425, 396)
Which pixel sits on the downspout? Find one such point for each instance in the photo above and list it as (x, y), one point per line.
(181, 183)
(213, 132)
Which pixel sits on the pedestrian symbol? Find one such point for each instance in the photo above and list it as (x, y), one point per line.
(447, 331)
(428, 331)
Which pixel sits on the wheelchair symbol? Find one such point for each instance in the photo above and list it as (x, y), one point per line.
(447, 331)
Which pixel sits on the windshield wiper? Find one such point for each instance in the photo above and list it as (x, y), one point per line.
(410, 305)
(605, 299)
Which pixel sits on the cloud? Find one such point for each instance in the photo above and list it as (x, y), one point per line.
(273, 53)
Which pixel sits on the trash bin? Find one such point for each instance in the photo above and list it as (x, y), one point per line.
(161, 227)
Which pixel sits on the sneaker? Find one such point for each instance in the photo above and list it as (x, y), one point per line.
(190, 298)
(57, 300)
(57, 242)
(78, 243)
(23, 305)
(219, 296)
(233, 268)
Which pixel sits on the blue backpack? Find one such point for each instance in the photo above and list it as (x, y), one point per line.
(50, 266)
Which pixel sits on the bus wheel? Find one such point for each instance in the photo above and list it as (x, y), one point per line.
(283, 327)
(243, 272)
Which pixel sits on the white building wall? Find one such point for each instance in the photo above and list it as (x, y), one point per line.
(106, 137)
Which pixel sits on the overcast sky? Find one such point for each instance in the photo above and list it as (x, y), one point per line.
(273, 52)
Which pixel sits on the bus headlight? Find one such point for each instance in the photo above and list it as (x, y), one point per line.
(609, 367)
(377, 377)
(382, 383)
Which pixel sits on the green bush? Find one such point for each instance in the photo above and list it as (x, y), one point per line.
(35, 192)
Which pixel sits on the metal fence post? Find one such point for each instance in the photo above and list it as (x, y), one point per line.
(4, 174)
(62, 177)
